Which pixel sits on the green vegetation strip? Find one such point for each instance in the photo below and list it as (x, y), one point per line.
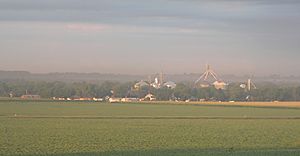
(187, 152)
(156, 117)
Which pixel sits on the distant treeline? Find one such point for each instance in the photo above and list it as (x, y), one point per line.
(102, 77)
(183, 91)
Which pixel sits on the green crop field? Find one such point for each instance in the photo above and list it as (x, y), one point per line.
(88, 128)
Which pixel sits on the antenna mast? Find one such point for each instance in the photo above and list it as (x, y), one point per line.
(161, 78)
(250, 85)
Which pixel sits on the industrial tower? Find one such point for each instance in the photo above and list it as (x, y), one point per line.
(208, 72)
(249, 85)
(218, 84)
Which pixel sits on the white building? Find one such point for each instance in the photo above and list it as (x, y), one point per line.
(149, 97)
(114, 100)
(220, 85)
(170, 84)
(129, 100)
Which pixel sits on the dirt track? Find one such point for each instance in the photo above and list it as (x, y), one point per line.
(255, 104)
(262, 104)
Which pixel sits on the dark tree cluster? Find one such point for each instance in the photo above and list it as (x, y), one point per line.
(182, 92)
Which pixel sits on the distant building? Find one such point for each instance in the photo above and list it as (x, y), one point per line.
(11, 95)
(149, 97)
(34, 97)
(82, 99)
(156, 84)
(98, 99)
(129, 99)
(61, 99)
(141, 84)
(114, 100)
(204, 84)
(170, 84)
(220, 85)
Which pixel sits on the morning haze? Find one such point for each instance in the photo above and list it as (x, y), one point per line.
(142, 37)
(149, 77)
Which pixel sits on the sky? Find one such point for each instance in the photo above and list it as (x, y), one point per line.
(257, 37)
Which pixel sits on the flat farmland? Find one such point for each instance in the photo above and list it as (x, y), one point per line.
(88, 128)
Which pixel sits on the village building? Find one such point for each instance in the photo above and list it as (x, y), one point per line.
(33, 97)
(141, 84)
(170, 84)
(114, 100)
(149, 97)
(129, 100)
(220, 85)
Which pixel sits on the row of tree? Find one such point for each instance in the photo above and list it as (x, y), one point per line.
(183, 91)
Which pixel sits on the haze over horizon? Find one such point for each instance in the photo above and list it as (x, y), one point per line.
(257, 37)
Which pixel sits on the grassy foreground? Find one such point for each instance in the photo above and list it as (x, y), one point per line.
(145, 136)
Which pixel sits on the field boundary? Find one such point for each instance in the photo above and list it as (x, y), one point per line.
(256, 104)
(158, 117)
(279, 105)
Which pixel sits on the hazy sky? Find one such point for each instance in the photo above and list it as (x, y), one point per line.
(258, 37)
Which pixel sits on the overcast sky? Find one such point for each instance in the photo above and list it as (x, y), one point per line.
(259, 37)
